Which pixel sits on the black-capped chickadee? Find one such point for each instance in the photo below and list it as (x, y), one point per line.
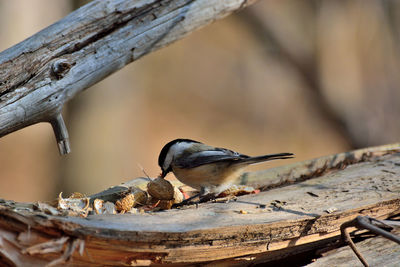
(206, 168)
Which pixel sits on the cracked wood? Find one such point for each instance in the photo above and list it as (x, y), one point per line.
(40, 74)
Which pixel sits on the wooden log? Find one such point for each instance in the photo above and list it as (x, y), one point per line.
(253, 229)
(378, 251)
(40, 74)
(300, 171)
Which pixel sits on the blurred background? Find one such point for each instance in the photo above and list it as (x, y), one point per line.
(309, 77)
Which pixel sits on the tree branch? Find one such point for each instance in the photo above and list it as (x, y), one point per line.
(40, 74)
(61, 133)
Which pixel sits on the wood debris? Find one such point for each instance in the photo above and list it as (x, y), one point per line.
(331, 210)
(52, 246)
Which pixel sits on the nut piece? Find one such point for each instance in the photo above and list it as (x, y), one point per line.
(137, 197)
(160, 188)
(178, 196)
(77, 195)
(165, 204)
(125, 204)
(98, 206)
(140, 196)
(74, 206)
(108, 208)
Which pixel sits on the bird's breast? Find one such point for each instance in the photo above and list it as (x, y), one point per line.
(208, 175)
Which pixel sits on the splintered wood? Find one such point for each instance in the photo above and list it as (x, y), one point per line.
(304, 214)
(378, 251)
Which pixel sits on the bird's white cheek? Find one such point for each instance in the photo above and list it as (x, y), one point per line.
(168, 160)
(175, 151)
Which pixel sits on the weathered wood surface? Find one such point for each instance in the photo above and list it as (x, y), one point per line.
(304, 170)
(378, 251)
(40, 74)
(294, 219)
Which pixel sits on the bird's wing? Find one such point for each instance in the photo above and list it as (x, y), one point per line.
(208, 156)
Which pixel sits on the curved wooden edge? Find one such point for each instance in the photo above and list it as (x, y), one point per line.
(308, 169)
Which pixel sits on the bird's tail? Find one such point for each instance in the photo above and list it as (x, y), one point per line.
(253, 160)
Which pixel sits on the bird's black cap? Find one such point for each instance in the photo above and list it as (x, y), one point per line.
(165, 149)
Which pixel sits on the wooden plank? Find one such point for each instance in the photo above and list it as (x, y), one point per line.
(264, 226)
(300, 171)
(378, 251)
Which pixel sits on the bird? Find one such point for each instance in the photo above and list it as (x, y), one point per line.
(208, 169)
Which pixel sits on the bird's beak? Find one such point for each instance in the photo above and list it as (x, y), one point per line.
(165, 172)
